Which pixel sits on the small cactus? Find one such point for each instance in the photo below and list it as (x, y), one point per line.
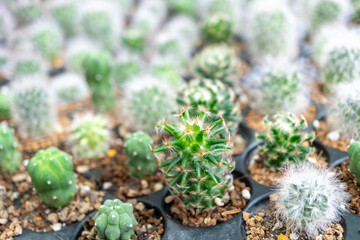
(5, 105)
(64, 13)
(217, 28)
(70, 87)
(283, 143)
(10, 156)
(141, 161)
(197, 170)
(166, 71)
(90, 137)
(127, 65)
(354, 155)
(28, 66)
(310, 199)
(115, 220)
(134, 40)
(187, 7)
(25, 11)
(51, 172)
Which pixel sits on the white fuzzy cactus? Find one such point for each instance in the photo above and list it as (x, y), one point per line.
(126, 66)
(70, 87)
(25, 11)
(65, 14)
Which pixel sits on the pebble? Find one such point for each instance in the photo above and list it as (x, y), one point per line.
(169, 199)
(53, 218)
(140, 206)
(316, 124)
(63, 214)
(19, 177)
(83, 207)
(56, 226)
(131, 193)
(18, 230)
(158, 186)
(246, 194)
(107, 185)
(82, 168)
(311, 160)
(3, 221)
(333, 136)
(144, 184)
(219, 202)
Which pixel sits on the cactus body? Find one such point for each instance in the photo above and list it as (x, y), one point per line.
(10, 156)
(115, 220)
(217, 28)
(70, 87)
(5, 105)
(354, 155)
(25, 11)
(141, 161)
(51, 172)
(325, 12)
(25, 67)
(134, 39)
(65, 14)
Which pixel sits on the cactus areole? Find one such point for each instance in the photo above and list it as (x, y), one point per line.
(195, 165)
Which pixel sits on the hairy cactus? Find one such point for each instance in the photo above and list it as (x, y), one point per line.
(217, 28)
(90, 137)
(141, 161)
(216, 62)
(25, 11)
(51, 172)
(134, 39)
(283, 143)
(127, 65)
(28, 66)
(187, 7)
(354, 155)
(310, 199)
(10, 156)
(196, 169)
(64, 13)
(5, 105)
(166, 71)
(115, 220)
(215, 97)
(97, 67)
(70, 87)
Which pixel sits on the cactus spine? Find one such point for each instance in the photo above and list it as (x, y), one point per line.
(354, 155)
(10, 156)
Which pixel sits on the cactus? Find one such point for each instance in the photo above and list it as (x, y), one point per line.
(51, 172)
(197, 170)
(134, 39)
(217, 28)
(283, 143)
(354, 155)
(97, 67)
(70, 87)
(310, 199)
(325, 12)
(5, 105)
(90, 138)
(216, 62)
(26, 11)
(115, 220)
(64, 13)
(215, 97)
(166, 71)
(124, 70)
(141, 161)
(28, 66)
(10, 156)
(187, 7)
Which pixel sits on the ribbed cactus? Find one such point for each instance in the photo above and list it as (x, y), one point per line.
(51, 172)
(141, 161)
(217, 28)
(5, 105)
(310, 199)
(65, 13)
(216, 62)
(283, 143)
(354, 155)
(213, 96)
(10, 156)
(134, 39)
(97, 67)
(90, 137)
(69, 87)
(197, 170)
(115, 220)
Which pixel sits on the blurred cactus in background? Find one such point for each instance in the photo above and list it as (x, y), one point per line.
(65, 14)
(70, 87)
(217, 28)
(134, 40)
(187, 7)
(126, 66)
(5, 105)
(28, 65)
(354, 155)
(25, 11)
(10, 156)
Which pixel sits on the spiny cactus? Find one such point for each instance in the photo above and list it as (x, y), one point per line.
(187, 7)
(115, 220)
(166, 71)
(283, 143)
(64, 12)
(134, 39)
(216, 62)
(28, 66)
(10, 156)
(197, 170)
(51, 172)
(217, 28)
(215, 97)
(126, 66)
(90, 138)
(141, 161)
(25, 11)
(5, 105)
(97, 67)
(354, 155)
(310, 199)
(70, 87)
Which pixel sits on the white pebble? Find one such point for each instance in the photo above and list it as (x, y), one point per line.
(107, 185)
(246, 194)
(26, 162)
(333, 136)
(219, 202)
(56, 226)
(311, 160)
(316, 124)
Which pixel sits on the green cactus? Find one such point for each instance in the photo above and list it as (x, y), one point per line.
(69, 87)
(134, 39)
(216, 62)
(29, 66)
(196, 169)
(325, 12)
(51, 172)
(354, 155)
(97, 67)
(215, 97)
(10, 156)
(123, 71)
(115, 220)
(217, 28)
(5, 105)
(283, 143)
(65, 14)
(90, 137)
(167, 72)
(26, 13)
(141, 161)
(187, 7)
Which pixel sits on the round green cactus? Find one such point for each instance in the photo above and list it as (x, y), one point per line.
(217, 28)
(5, 105)
(64, 13)
(26, 11)
(182, 6)
(115, 220)
(325, 11)
(29, 66)
(134, 39)
(51, 172)
(354, 155)
(141, 161)
(10, 156)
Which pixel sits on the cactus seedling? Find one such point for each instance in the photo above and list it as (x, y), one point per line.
(197, 170)
(115, 220)
(141, 161)
(217, 28)
(354, 155)
(64, 13)
(310, 199)
(283, 143)
(10, 156)
(51, 172)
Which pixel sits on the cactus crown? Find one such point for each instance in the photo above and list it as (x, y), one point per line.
(70, 87)
(90, 137)
(10, 156)
(196, 168)
(115, 220)
(141, 161)
(217, 28)
(51, 172)
(65, 13)
(310, 199)
(283, 143)
(354, 155)
(134, 39)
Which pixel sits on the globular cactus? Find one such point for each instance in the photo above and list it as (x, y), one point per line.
(65, 12)
(51, 172)
(115, 220)
(141, 161)
(166, 71)
(10, 156)
(213, 96)
(90, 138)
(5, 105)
(134, 39)
(354, 155)
(28, 65)
(187, 7)
(25, 11)
(196, 168)
(127, 65)
(216, 62)
(217, 28)
(69, 87)
(97, 67)
(310, 199)
(283, 142)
